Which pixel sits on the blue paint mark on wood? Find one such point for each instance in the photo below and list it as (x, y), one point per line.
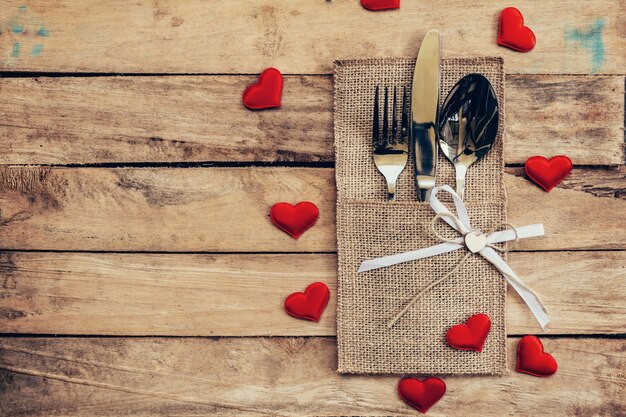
(591, 40)
(16, 50)
(16, 26)
(37, 50)
(29, 29)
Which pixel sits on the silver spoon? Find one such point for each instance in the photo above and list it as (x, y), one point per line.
(468, 124)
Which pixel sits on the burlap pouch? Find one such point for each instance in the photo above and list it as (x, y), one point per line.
(368, 226)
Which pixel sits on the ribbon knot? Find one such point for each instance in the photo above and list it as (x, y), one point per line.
(476, 242)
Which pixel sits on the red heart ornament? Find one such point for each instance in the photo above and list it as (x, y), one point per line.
(512, 33)
(531, 359)
(471, 335)
(294, 220)
(310, 304)
(380, 4)
(266, 92)
(421, 394)
(547, 173)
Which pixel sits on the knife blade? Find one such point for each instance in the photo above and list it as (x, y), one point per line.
(424, 106)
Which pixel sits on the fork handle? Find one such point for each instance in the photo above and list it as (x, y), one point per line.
(391, 191)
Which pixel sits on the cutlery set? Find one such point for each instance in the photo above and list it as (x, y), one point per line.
(466, 127)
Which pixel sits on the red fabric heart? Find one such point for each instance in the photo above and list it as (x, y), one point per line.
(380, 4)
(294, 220)
(512, 33)
(531, 359)
(471, 335)
(310, 304)
(421, 394)
(266, 92)
(548, 173)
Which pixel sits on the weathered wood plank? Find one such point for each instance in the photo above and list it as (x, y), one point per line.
(282, 377)
(212, 209)
(201, 118)
(242, 295)
(570, 211)
(301, 37)
(161, 119)
(190, 210)
(550, 115)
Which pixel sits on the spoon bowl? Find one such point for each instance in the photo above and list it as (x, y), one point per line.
(468, 124)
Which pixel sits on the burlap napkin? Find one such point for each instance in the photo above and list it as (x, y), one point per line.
(368, 226)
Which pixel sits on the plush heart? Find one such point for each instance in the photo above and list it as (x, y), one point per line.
(294, 220)
(471, 335)
(547, 173)
(266, 92)
(380, 4)
(531, 359)
(310, 304)
(421, 394)
(512, 33)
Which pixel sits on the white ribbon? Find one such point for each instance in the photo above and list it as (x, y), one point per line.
(462, 225)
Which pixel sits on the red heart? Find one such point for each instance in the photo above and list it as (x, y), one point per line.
(294, 220)
(531, 359)
(471, 335)
(310, 304)
(266, 92)
(548, 173)
(380, 4)
(421, 394)
(512, 33)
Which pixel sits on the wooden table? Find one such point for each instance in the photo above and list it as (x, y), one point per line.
(140, 273)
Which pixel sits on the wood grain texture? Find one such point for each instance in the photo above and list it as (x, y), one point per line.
(570, 212)
(573, 116)
(281, 377)
(213, 209)
(185, 118)
(242, 295)
(192, 209)
(71, 120)
(304, 37)
(161, 119)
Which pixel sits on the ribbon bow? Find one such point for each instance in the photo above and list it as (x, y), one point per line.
(476, 242)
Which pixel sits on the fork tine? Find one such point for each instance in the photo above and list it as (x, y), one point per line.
(390, 151)
(405, 117)
(375, 125)
(385, 119)
(394, 118)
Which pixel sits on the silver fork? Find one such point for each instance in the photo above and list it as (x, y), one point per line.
(391, 150)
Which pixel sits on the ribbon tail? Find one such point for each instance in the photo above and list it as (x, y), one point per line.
(531, 299)
(407, 256)
(523, 232)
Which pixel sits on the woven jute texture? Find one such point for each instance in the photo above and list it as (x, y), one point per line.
(368, 226)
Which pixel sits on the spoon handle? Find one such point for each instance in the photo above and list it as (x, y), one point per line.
(461, 170)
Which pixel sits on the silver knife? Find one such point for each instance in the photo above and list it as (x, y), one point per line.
(424, 106)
